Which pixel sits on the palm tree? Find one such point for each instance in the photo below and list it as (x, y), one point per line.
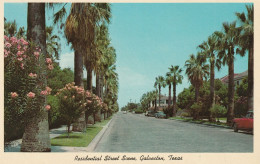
(76, 33)
(160, 82)
(227, 42)
(208, 50)
(36, 135)
(246, 42)
(98, 14)
(197, 70)
(175, 73)
(52, 41)
(168, 81)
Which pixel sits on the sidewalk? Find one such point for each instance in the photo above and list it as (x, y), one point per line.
(16, 145)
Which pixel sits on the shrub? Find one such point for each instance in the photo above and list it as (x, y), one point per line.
(71, 103)
(55, 119)
(195, 109)
(24, 83)
(218, 110)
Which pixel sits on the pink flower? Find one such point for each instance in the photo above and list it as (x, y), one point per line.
(14, 39)
(8, 45)
(36, 54)
(48, 60)
(22, 66)
(6, 53)
(65, 97)
(48, 89)
(31, 95)
(47, 107)
(89, 102)
(33, 75)
(73, 96)
(19, 53)
(6, 38)
(44, 93)
(20, 59)
(24, 42)
(14, 94)
(50, 66)
(24, 56)
(19, 47)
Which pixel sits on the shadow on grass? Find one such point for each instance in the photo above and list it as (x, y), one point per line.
(70, 137)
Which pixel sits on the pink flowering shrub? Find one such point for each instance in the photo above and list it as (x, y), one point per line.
(71, 103)
(24, 78)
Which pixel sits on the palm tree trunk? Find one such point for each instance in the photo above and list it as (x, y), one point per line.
(174, 99)
(159, 96)
(80, 124)
(36, 135)
(212, 86)
(78, 67)
(89, 79)
(97, 84)
(169, 97)
(197, 88)
(231, 91)
(250, 99)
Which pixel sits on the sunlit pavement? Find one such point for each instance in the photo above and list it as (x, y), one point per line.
(137, 133)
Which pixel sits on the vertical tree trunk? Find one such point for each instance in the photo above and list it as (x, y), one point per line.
(250, 99)
(80, 124)
(36, 135)
(159, 96)
(97, 84)
(197, 88)
(169, 97)
(89, 79)
(212, 86)
(174, 99)
(231, 92)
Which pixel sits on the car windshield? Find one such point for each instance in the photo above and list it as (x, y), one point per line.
(249, 115)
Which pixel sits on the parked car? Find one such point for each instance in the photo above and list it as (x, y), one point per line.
(160, 114)
(245, 123)
(150, 114)
(125, 112)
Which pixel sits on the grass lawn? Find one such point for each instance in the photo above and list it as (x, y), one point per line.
(200, 121)
(77, 139)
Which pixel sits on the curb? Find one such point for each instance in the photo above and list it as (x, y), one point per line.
(92, 145)
(219, 126)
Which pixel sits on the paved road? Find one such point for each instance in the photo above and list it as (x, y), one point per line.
(137, 133)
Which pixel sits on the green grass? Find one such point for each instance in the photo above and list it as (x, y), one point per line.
(200, 121)
(77, 139)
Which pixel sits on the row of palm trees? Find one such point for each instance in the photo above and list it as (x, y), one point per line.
(219, 49)
(86, 28)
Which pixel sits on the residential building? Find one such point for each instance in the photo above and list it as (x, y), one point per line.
(238, 77)
(164, 101)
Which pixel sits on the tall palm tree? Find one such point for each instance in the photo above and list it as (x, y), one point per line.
(168, 81)
(227, 41)
(246, 42)
(36, 135)
(197, 70)
(76, 31)
(160, 82)
(209, 50)
(175, 73)
(98, 14)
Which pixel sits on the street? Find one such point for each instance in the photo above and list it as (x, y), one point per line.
(138, 133)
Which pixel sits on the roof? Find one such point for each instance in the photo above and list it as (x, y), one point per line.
(237, 76)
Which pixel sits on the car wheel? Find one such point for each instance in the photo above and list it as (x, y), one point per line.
(235, 127)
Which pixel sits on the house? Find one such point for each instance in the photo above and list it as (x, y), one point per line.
(238, 78)
(164, 101)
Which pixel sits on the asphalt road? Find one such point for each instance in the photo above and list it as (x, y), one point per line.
(137, 133)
